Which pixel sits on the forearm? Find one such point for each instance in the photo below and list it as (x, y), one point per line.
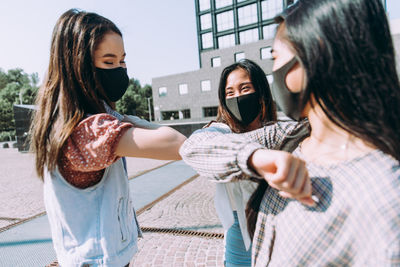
(161, 143)
(219, 155)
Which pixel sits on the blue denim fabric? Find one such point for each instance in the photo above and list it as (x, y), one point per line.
(235, 250)
(95, 226)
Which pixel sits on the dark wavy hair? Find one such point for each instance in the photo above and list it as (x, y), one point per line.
(346, 49)
(71, 88)
(261, 86)
(267, 115)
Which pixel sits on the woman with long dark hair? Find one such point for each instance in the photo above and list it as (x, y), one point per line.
(245, 104)
(79, 143)
(335, 65)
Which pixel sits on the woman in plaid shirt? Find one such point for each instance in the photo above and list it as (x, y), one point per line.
(334, 65)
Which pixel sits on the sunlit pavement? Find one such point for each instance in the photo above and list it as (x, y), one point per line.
(171, 224)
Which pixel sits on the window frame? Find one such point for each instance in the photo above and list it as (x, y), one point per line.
(162, 94)
(179, 88)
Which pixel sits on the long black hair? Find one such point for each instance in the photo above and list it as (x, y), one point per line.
(346, 49)
(347, 52)
(261, 86)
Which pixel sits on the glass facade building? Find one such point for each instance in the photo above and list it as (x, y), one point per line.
(226, 23)
(227, 31)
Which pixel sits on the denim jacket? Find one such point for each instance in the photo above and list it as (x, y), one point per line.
(95, 226)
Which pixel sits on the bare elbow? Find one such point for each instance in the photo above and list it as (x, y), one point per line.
(173, 140)
(171, 136)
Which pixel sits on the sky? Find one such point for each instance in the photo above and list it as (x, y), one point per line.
(159, 35)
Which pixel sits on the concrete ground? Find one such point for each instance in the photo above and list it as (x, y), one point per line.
(181, 229)
(191, 209)
(21, 192)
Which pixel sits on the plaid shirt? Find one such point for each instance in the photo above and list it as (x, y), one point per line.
(355, 223)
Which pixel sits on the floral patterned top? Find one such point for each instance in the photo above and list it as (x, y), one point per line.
(90, 149)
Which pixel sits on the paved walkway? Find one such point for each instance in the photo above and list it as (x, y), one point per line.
(21, 192)
(180, 229)
(190, 209)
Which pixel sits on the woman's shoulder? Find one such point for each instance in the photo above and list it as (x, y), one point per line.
(215, 126)
(374, 178)
(288, 126)
(99, 127)
(90, 149)
(97, 120)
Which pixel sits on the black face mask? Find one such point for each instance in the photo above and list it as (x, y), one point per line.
(244, 108)
(114, 82)
(287, 101)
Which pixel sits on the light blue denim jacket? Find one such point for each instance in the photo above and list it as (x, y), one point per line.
(95, 226)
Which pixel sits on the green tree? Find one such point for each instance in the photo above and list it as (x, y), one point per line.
(15, 86)
(18, 76)
(6, 116)
(3, 79)
(135, 102)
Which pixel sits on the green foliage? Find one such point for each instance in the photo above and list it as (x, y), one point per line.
(16, 87)
(7, 136)
(135, 102)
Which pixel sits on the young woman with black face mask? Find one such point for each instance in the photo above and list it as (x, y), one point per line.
(245, 104)
(334, 64)
(79, 142)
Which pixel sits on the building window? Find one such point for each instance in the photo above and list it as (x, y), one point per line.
(270, 8)
(175, 114)
(162, 91)
(170, 115)
(215, 62)
(205, 21)
(239, 1)
(226, 41)
(210, 111)
(248, 36)
(269, 31)
(207, 40)
(225, 21)
(183, 89)
(247, 14)
(222, 3)
(239, 56)
(270, 78)
(265, 52)
(204, 5)
(184, 114)
(205, 86)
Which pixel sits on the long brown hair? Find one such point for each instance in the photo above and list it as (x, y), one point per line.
(70, 89)
(267, 115)
(261, 86)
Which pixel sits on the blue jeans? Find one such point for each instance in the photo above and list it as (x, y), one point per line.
(235, 250)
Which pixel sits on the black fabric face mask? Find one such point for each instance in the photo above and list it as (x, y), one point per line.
(287, 101)
(114, 82)
(244, 108)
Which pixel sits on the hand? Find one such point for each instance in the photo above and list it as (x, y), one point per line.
(284, 172)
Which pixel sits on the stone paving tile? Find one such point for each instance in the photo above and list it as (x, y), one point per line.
(189, 208)
(165, 250)
(21, 191)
